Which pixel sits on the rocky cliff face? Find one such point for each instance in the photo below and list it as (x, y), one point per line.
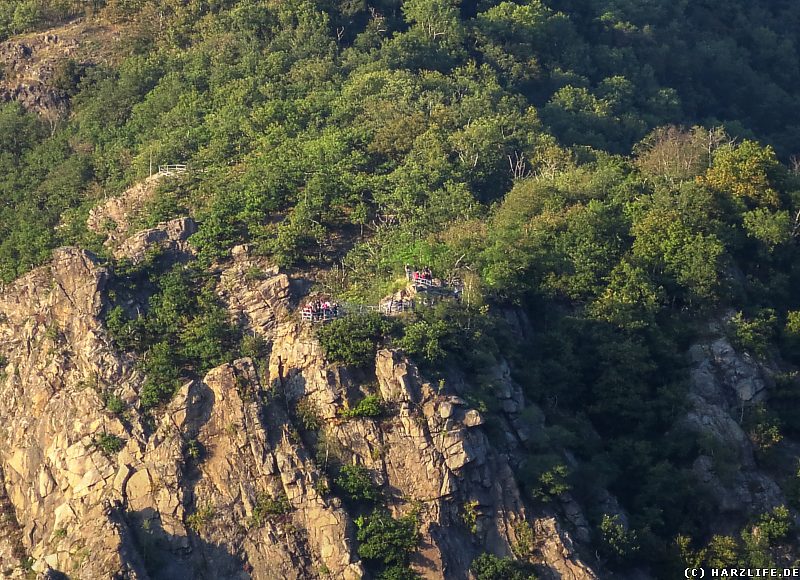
(60, 485)
(30, 63)
(227, 482)
(222, 483)
(724, 383)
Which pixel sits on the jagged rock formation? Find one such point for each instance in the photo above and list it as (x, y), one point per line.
(431, 454)
(59, 482)
(723, 382)
(114, 217)
(185, 495)
(29, 63)
(257, 294)
(11, 547)
(93, 494)
(171, 236)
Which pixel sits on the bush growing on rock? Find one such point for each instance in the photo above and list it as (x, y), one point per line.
(183, 331)
(757, 545)
(385, 542)
(399, 573)
(617, 542)
(108, 443)
(307, 413)
(762, 427)
(754, 334)
(268, 508)
(770, 528)
(113, 403)
(546, 477)
(162, 376)
(163, 206)
(369, 407)
(425, 339)
(490, 567)
(199, 520)
(353, 340)
(254, 347)
(450, 331)
(469, 515)
(356, 482)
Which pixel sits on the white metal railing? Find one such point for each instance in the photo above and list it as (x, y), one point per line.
(422, 281)
(396, 306)
(172, 169)
(320, 317)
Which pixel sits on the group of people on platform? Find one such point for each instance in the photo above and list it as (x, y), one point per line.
(415, 275)
(321, 309)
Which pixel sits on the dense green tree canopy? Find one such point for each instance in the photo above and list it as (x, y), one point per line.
(618, 170)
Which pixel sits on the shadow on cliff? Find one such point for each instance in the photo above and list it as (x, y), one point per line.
(166, 556)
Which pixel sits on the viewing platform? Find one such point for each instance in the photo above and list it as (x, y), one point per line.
(172, 170)
(422, 290)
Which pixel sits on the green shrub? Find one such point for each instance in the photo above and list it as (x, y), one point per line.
(353, 340)
(775, 525)
(490, 567)
(163, 206)
(199, 520)
(398, 573)
(268, 508)
(357, 484)
(306, 412)
(162, 376)
(254, 273)
(755, 549)
(108, 443)
(254, 346)
(450, 329)
(762, 427)
(425, 339)
(194, 449)
(66, 75)
(53, 333)
(754, 334)
(525, 543)
(183, 332)
(547, 477)
(154, 393)
(368, 407)
(617, 543)
(469, 515)
(791, 336)
(722, 552)
(386, 542)
(114, 403)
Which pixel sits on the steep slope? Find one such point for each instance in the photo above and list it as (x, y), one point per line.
(173, 399)
(220, 483)
(725, 383)
(33, 66)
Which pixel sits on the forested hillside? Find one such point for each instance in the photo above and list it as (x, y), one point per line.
(620, 172)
